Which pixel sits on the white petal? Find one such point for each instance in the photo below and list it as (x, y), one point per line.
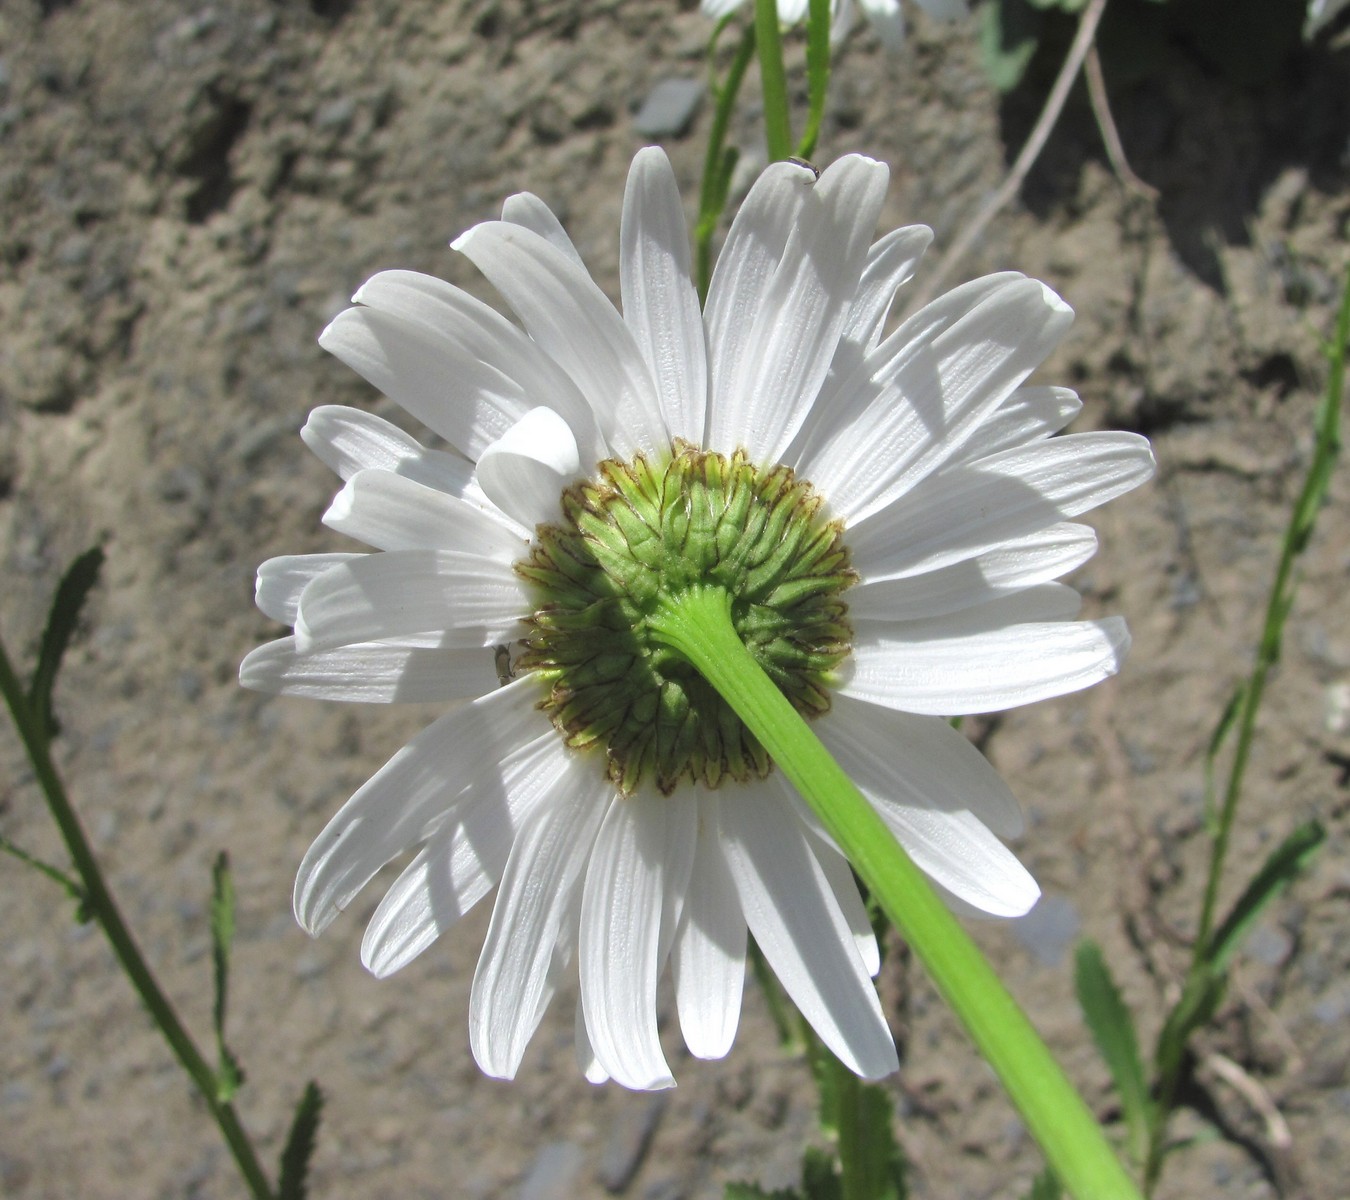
(745, 269)
(621, 918)
(475, 601)
(525, 472)
(569, 317)
(918, 762)
(708, 958)
(463, 858)
(760, 398)
(1029, 415)
(348, 440)
(839, 875)
(369, 673)
(984, 672)
(391, 512)
(1023, 562)
(1004, 608)
(796, 921)
(586, 1061)
(660, 304)
(933, 396)
(886, 17)
(928, 783)
(527, 210)
(547, 863)
(457, 365)
(459, 755)
(890, 263)
(282, 579)
(973, 507)
(719, 8)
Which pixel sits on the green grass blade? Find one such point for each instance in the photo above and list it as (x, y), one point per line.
(228, 1074)
(1045, 1187)
(817, 74)
(299, 1149)
(1112, 1029)
(72, 886)
(1285, 863)
(62, 618)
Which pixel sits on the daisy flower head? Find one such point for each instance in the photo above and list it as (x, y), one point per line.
(885, 16)
(888, 516)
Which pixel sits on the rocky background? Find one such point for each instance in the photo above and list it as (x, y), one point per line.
(190, 190)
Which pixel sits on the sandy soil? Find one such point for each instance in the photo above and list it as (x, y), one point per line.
(190, 191)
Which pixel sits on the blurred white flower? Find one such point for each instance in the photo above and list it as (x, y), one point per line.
(626, 818)
(885, 16)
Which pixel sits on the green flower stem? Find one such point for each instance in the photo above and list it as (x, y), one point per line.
(817, 73)
(773, 80)
(100, 907)
(720, 160)
(697, 623)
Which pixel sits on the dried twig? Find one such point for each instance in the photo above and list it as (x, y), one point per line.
(1106, 126)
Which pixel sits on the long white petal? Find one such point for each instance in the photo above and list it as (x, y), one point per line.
(621, 918)
(792, 912)
(1006, 607)
(1021, 563)
(760, 400)
(474, 600)
(461, 753)
(660, 304)
(548, 861)
(525, 471)
(348, 440)
(973, 507)
(525, 208)
(1029, 415)
(463, 858)
(891, 261)
(839, 875)
(391, 512)
(919, 762)
(933, 397)
(708, 958)
(458, 366)
(932, 787)
(569, 317)
(984, 672)
(369, 673)
(281, 580)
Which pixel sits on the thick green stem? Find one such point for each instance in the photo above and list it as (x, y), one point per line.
(100, 907)
(773, 80)
(698, 625)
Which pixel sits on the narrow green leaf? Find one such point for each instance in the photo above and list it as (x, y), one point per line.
(229, 1076)
(817, 74)
(1045, 1187)
(72, 886)
(62, 618)
(773, 81)
(294, 1175)
(1113, 1030)
(1289, 858)
(820, 1177)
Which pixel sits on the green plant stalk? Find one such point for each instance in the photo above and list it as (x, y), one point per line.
(101, 908)
(718, 162)
(773, 81)
(697, 624)
(818, 74)
(856, 1182)
(1203, 985)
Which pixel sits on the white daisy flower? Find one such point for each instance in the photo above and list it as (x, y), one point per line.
(888, 513)
(885, 16)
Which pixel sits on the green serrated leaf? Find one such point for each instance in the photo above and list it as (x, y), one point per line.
(1010, 31)
(1285, 863)
(292, 1183)
(1045, 1187)
(62, 618)
(820, 1175)
(1113, 1030)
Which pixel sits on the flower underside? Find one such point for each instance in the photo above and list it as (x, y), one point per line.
(635, 539)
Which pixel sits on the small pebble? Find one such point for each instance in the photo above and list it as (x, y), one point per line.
(669, 108)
